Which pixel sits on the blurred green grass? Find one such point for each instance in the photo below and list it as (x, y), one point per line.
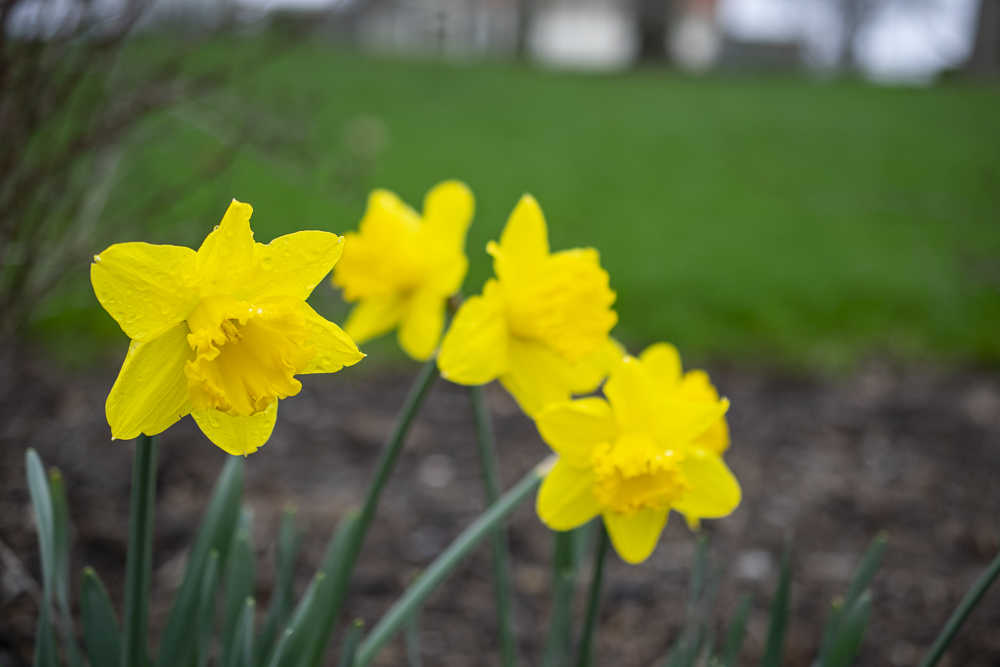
(765, 220)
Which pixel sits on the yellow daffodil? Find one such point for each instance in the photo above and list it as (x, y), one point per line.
(654, 445)
(219, 333)
(541, 327)
(401, 267)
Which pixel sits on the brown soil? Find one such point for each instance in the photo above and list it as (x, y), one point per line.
(914, 452)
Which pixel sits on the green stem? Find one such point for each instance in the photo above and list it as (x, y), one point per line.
(401, 612)
(965, 608)
(557, 644)
(501, 552)
(587, 653)
(139, 566)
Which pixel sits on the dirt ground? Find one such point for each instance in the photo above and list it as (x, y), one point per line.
(915, 452)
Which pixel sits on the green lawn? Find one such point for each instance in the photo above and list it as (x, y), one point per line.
(773, 220)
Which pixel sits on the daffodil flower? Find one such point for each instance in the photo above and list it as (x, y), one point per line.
(541, 327)
(219, 333)
(654, 445)
(401, 267)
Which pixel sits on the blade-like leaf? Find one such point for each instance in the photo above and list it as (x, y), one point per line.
(179, 637)
(100, 628)
(775, 646)
(240, 652)
(206, 606)
(557, 644)
(60, 565)
(279, 650)
(413, 641)
(351, 641)
(862, 579)
(851, 632)
(281, 600)
(46, 653)
(240, 584)
(737, 631)
(304, 624)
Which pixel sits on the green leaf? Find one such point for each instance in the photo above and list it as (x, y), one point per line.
(100, 628)
(60, 543)
(240, 584)
(850, 632)
(46, 652)
(304, 624)
(240, 651)
(331, 595)
(206, 606)
(862, 579)
(587, 652)
(281, 600)
(279, 650)
(737, 631)
(351, 641)
(775, 646)
(139, 559)
(179, 637)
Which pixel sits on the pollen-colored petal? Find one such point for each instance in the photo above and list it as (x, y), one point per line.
(475, 349)
(629, 390)
(696, 386)
(566, 499)
(524, 243)
(716, 438)
(373, 317)
(334, 348)
(678, 423)
(663, 362)
(150, 393)
(292, 265)
(536, 377)
(587, 374)
(714, 491)
(146, 288)
(635, 536)
(422, 325)
(574, 428)
(225, 260)
(237, 435)
(448, 210)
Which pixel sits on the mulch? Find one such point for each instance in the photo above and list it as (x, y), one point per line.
(913, 451)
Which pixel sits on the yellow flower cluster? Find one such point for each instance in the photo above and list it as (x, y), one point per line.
(221, 334)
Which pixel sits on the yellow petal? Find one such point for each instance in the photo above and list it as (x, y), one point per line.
(587, 374)
(474, 351)
(629, 390)
(226, 258)
(292, 265)
(536, 376)
(448, 210)
(714, 490)
(237, 435)
(663, 362)
(146, 288)
(373, 317)
(334, 348)
(150, 393)
(422, 324)
(696, 386)
(566, 499)
(386, 216)
(635, 535)
(678, 423)
(524, 243)
(573, 429)
(716, 438)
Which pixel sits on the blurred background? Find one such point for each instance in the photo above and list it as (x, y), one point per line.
(803, 195)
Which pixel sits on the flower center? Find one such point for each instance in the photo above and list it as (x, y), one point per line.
(634, 473)
(567, 305)
(246, 356)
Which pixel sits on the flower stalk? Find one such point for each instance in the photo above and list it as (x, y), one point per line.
(139, 567)
(501, 551)
(587, 654)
